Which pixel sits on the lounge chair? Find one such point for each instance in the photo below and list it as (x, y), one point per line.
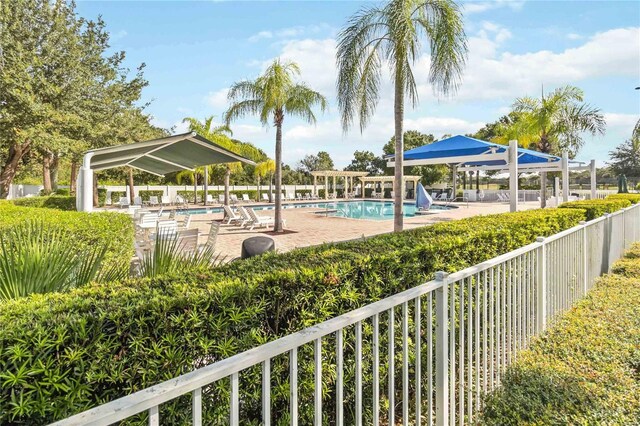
(298, 196)
(172, 214)
(245, 198)
(290, 196)
(187, 222)
(167, 228)
(166, 201)
(231, 216)
(137, 201)
(153, 200)
(233, 198)
(124, 202)
(260, 221)
(211, 238)
(246, 218)
(265, 197)
(188, 240)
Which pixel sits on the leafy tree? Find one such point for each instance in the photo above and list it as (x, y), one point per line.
(262, 170)
(554, 123)
(366, 161)
(414, 139)
(393, 34)
(312, 163)
(626, 158)
(272, 96)
(218, 134)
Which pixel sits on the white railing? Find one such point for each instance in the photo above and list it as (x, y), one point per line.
(365, 366)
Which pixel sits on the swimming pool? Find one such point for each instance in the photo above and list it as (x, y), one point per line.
(369, 210)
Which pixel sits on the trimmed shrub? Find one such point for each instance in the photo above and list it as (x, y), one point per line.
(633, 198)
(88, 230)
(102, 342)
(62, 191)
(596, 208)
(116, 195)
(52, 202)
(145, 194)
(584, 370)
(102, 196)
(253, 194)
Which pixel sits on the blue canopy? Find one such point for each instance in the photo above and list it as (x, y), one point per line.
(423, 200)
(463, 146)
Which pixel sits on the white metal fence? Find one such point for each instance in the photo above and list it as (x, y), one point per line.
(422, 357)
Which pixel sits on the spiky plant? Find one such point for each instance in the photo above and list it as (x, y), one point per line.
(272, 96)
(36, 258)
(393, 35)
(169, 256)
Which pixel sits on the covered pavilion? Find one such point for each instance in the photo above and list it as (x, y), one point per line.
(384, 179)
(464, 153)
(185, 151)
(346, 176)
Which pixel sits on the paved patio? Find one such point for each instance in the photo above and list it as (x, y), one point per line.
(304, 228)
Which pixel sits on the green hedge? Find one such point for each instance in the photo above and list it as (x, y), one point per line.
(145, 194)
(253, 194)
(584, 370)
(59, 202)
(596, 208)
(90, 229)
(116, 195)
(633, 198)
(102, 342)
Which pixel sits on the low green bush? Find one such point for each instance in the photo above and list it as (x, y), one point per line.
(88, 230)
(101, 342)
(59, 202)
(253, 194)
(596, 208)
(633, 198)
(102, 196)
(116, 195)
(585, 369)
(62, 191)
(145, 194)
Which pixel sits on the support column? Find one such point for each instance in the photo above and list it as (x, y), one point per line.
(592, 170)
(206, 183)
(362, 185)
(334, 191)
(326, 187)
(565, 176)
(315, 184)
(556, 190)
(513, 175)
(454, 169)
(84, 190)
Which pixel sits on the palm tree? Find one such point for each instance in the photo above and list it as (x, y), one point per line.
(393, 34)
(220, 135)
(554, 123)
(262, 170)
(272, 96)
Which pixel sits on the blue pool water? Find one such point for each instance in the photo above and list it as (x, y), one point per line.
(370, 210)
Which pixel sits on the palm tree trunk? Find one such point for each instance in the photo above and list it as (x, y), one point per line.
(398, 182)
(258, 193)
(74, 176)
(277, 227)
(227, 173)
(130, 183)
(543, 190)
(17, 151)
(46, 173)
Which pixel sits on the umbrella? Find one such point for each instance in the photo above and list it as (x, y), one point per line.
(423, 200)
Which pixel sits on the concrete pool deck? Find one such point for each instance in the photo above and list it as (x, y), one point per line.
(305, 228)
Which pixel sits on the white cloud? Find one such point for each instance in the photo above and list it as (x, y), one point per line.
(484, 6)
(290, 32)
(261, 36)
(217, 99)
(574, 36)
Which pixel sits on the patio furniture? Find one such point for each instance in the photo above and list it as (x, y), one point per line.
(290, 196)
(256, 246)
(188, 240)
(246, 219)
(260, 221)
(231, 216)
(187, 222)
(153, 200)
(245, 198)
(124, 202)
(265, 197)
(137, 201)
(210, 244)
(210, 199)
(166, 201)
(233, 198)
(180, 201)
(298, 196)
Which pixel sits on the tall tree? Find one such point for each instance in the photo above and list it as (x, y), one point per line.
(554, 123)
(626, 158)
(366, 161)
(394, 34)
(218, 134)
(262, 170)
(311, 163)
(272, 96)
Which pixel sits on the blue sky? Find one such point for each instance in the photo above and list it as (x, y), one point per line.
(195, 49)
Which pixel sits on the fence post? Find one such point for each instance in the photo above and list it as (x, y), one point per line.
(585, 258)
(442, 350)
(607, 242)
(542, 285)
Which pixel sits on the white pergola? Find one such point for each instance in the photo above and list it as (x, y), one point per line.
(385, 179)
(468, 154)
(158, 156)
(346, 176)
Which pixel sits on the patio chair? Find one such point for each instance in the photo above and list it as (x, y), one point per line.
(137, 201)
(166, 228)
(220, 198)
(246, 218)
(233, 198)
(187, 222)
(231, 216)
(260, 221)
(245, 198)
(265, 197)
(166, 201)
(290, 196)
(124, 202)
(188, 240)
(153, 200)
(212, 238)
(298, 196)
(172, 214)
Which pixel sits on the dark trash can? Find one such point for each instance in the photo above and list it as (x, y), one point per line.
(256, 246)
